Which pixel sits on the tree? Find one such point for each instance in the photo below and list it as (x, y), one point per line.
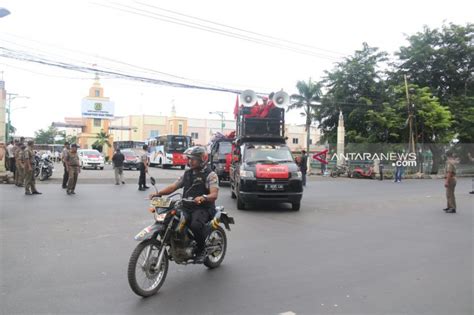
(71, 139)
(307, 99)
(10, 132)
(102, 139)
(442, 59)
(354, 87)
(48, 136)
(432, 121)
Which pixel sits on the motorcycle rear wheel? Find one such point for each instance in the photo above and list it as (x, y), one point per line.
(139, 265)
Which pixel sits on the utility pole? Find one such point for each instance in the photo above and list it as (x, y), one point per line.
(10, 98)
(411, 139)
(221, 114)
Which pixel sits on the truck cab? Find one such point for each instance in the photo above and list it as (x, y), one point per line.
(220, 157)
(262, 166)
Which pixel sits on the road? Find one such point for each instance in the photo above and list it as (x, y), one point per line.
(355, 247)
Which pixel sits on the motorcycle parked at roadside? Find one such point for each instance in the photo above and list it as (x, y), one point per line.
(359, 172)
(341, 170)
(45, 168)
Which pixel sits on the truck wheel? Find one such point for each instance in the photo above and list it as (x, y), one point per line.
(240, 203)
(295, 206)
(183, 166)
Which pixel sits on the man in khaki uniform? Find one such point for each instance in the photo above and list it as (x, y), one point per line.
(19, 176)
(450, 183)
(63, 157)
(73, 169)
(29, 164)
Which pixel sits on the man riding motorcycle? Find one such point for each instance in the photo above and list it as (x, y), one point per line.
(201, 184)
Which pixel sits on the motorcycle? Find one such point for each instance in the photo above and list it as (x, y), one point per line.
(169, 239)
(36, 166)
(46, 167)
(359, 172)
(341, 170)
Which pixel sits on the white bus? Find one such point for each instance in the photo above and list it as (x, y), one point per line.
(167, 150)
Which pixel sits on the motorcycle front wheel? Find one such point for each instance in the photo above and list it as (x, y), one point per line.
(144, 276)
(218, 239)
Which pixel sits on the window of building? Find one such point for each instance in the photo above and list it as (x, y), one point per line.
(154, 133)
(180, 129)
(194, 135)
(295, 140)
(97, 122)
(97, 93)
(310, 141)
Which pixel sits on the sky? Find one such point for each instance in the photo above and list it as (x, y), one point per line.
(133, 37)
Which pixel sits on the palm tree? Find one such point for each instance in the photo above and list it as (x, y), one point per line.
(102, 139)
(307, 99)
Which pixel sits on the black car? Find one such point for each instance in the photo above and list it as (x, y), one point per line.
(266, 171)
(132, 159)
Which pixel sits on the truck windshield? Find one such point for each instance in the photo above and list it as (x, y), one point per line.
(225, 148)
(268, 154)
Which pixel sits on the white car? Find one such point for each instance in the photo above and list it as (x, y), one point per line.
(91, 158)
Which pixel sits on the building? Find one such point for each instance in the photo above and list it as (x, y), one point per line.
(97, 117)
(296, 135)
(97, 113)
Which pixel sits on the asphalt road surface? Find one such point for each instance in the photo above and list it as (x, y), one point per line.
(355, 247)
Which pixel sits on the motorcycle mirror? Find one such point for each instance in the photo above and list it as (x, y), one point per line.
(152, 181)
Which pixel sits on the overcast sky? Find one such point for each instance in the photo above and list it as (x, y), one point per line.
(87, 32)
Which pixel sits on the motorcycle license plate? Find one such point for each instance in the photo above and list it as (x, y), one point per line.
(274, 187)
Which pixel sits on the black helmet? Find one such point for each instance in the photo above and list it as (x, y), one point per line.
(197, 153)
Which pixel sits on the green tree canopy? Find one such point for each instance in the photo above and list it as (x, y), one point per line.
(354, 86)
(443, 60)
(102, 140)
(48, 136)
(307, 100)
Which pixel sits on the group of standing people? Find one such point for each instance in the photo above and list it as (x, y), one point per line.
(72, 167)
(118, 159)
(22, 164)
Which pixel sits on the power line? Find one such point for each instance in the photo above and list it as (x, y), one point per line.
(213, 30)
(44, 74)
(239, 29)
(23, 56)
(100, 59)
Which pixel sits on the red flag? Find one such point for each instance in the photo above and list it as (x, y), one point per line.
(236, 108)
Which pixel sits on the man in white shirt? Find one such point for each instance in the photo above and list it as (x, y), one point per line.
(11, 157)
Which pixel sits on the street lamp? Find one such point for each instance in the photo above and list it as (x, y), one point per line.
(11, 97)
(221, 114)
(4, 12)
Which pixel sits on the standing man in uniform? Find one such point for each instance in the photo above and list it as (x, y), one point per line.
(117, 161)
(143, 169)
(64, 154)
(450, 183)
(29, 164)
(11, 157)
(19, 175)
(73, 169)
(304, 166)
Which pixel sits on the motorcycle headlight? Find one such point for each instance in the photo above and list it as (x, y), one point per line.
(160, 217)
(246, 174)
(298, 175)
